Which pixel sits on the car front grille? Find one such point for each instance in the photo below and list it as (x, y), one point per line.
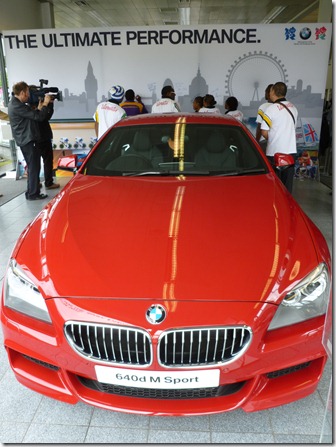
(113, 344)
(176, 348)
(201, 347)
(153, 393)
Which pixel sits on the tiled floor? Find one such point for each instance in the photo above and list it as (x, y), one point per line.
(28, 417)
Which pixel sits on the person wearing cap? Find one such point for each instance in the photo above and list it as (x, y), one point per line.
(231, 107)
(167, 103)
(209, 105)
(109, 112)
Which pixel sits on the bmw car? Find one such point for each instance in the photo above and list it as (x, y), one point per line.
(173, 275)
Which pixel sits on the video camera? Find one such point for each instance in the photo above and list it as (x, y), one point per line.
(37, 94)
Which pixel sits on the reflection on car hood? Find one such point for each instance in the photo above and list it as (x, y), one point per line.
(236, 238)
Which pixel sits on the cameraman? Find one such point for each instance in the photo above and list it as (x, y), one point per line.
(44, 142)
(23, 121)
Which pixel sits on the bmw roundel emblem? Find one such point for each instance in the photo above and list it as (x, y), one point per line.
(305, 33)
(156, 314)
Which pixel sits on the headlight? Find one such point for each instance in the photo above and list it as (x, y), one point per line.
(307, 300)
(22, 295)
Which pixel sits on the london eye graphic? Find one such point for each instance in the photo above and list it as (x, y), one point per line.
(251, 73)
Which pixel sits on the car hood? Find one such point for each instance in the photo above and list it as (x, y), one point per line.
(179, 238)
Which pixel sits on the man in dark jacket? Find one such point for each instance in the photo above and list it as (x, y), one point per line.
(23, 120)
(44, 144)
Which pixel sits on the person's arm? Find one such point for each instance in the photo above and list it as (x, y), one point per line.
(44, 103)
(50, 108)
(144, 110)
(264, 133)
(22, 110)
(258, 132)
(96, 124)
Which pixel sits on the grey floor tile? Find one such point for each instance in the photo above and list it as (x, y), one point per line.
(241, 438)
(7, 221)
(304, 416)
(297, 439)
(241, 422)
(11, 237)
(328, 431)
(12, 432)
(53, 411)
(194, 423)
(326, 377)
(103, 435)
(178, 437)
(17, 402)
(55, 434)
(325, 387)
(108, 418)
(5, 253)
(4, 365)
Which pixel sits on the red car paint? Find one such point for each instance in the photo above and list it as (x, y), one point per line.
(213, 251)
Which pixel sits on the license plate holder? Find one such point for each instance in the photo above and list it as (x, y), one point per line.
(158, 379)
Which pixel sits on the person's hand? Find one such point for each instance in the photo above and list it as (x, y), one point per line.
(46, 100)
(138, 98)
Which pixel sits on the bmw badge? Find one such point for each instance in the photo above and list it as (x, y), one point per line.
(156, 314)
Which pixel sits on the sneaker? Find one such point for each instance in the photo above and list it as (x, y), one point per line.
(38, 197)
(53, 186)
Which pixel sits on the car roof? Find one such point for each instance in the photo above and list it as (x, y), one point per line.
(172, 118)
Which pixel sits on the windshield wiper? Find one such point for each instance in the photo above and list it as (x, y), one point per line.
(240, 172)
(164, 173)
(138, 174)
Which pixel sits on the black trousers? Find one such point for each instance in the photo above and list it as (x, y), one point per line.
(32, 155)
(45, 148)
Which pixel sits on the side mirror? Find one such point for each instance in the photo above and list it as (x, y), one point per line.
(282, 161)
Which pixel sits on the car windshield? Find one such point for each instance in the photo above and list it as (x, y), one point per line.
(173, 149)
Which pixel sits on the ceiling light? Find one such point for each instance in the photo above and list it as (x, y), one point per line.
(273, 14)
(96, 16)
(81, 4)
(184, 16)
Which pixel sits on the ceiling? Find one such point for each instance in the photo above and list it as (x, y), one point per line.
(98, 13)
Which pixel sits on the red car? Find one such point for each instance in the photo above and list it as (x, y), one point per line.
(173, 275)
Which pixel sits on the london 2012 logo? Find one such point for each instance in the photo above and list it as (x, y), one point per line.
(305, 33)
(321, 33)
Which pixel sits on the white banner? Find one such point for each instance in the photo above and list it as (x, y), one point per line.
(223, 60)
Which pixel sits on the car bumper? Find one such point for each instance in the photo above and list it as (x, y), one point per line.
(279, 367)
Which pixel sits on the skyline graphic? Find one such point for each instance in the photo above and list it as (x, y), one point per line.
(83, 106)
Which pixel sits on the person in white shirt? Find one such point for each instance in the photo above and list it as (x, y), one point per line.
(231, 107)
(260, 116)
(209, 105)
(109, 112)
(167, 103)
(278, 128)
